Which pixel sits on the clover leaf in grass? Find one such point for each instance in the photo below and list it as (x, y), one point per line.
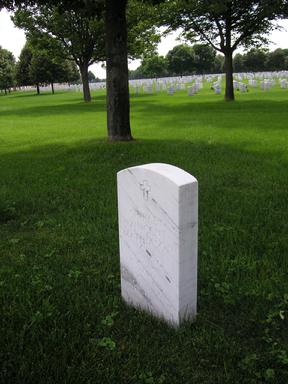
(109, 319)
(147, 378)
(14, 241)
(74, 274)
(269, 374)
(107, 343)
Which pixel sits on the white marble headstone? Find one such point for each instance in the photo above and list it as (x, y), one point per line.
(158, 231)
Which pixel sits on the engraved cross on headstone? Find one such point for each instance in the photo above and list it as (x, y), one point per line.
(145, 187)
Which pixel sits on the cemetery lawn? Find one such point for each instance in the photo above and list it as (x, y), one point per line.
(62, 318)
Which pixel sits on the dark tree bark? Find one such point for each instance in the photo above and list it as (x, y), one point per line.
(85, 81)
(38, 89)
(229, 90)
(228, 52)
(118, 105)
(52, 88)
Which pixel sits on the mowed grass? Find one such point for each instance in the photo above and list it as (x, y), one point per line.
(62, 318)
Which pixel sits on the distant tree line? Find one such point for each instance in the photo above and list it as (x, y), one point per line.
(181, 60)
(39, 64)
(259, 60)
(7, 70)
(36, 66)
(185, 60)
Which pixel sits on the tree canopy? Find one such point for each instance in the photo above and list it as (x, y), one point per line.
(259, 60)
(152, 66)
(7, 68)
(181, 60)
(23, 66)
(76, 35)
(40, 64)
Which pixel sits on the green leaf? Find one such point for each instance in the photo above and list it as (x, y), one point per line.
(108, 343)
(14, 241)
(269, 374)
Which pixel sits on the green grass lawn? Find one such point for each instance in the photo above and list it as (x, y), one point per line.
(62, 318)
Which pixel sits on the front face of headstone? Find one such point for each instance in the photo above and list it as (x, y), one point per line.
(158, 225)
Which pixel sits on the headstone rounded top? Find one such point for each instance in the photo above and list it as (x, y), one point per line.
(177, 175)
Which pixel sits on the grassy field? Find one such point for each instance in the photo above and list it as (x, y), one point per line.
(62, 318)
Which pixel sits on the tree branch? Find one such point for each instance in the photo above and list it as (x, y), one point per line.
(198, 29)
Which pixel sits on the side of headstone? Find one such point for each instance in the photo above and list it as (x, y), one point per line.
(192, 90)
(243, 87)
(217, 88)
(171, 91)
(283, 83)
(148, 89)
(158, 231)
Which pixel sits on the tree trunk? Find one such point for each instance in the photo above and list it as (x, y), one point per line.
(38, 89)
(52, 88)
(85, 82)
(117, 85)
(229, 90)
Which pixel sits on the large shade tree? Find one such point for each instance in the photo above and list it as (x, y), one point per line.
(124, 19)
(141, 35)
(74, 35)
(116, 58)
(224, 24)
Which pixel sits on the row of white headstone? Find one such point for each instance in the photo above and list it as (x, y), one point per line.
(264, 80)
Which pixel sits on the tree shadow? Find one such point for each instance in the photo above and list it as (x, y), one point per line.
(183, 111)
(217, 106)
(70, 108)
(237, 186)
(243, 115)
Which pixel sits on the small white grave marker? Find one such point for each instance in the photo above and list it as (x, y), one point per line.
(158, 229)
(283, 83)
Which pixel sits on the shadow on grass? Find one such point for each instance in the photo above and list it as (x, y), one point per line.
(269, 113)
(220, 106)
(243, 197)
(79, 95)
(71, 108)
(233, 182)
